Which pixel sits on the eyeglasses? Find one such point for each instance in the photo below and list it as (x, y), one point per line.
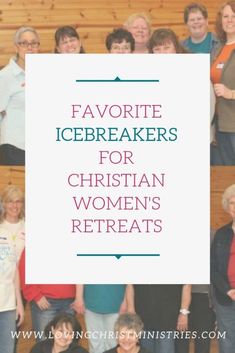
(29, 44)
(118, 48)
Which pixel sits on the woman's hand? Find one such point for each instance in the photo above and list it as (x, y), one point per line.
(79, 306)
(182, 322)
(231, 294)
(43, 303)
(19, 313)
(222, 91)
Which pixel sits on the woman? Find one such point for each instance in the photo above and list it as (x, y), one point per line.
(223, 274)
(101, 304)
(163, 309)
(46, 300)
(140, 27)
(67, 41)
(165, 41)
(120, 41)
(62, 335)
(11, 245)
(12, 99)
(128, 329)
(223, 78)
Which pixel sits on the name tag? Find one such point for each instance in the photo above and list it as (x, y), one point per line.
(220, 66)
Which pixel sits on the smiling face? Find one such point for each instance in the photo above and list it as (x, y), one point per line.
(197, 25)
(63, 336)
(69, 45)
(127, 339)
(121, 48)
(166, 48)
(228, 20)
(28, 43)
(231, 207)
(13, 209)
(140, 31)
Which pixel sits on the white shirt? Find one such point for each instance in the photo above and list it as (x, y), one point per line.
(12, 102)
(11, 246)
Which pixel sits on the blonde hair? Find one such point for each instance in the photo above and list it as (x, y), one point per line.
(131, 19)
(11, 193)
(228, 193)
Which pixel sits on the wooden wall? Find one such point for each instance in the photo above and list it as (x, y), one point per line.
(93, 18)
(221, 178)
(12, 175)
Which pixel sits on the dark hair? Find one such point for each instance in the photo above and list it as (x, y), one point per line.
(64, 319)
(66, 31)
(163, 35)
(218, 23)
(118, 36)
(193, 7)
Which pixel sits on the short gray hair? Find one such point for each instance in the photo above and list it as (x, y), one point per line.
(228, 193)
(130, 321)
(22, 30)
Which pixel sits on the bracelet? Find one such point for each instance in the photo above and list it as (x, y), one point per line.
(184, 311)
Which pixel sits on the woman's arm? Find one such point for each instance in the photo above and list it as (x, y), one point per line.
(78, 305)
(182, 322)
(130, 298)
(19, 303)
(223, 91)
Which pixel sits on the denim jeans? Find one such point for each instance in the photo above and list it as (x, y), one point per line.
(225, 316)
(7, 327)
(99, 325)
(226, 144)
(158, 345)
(40, 318)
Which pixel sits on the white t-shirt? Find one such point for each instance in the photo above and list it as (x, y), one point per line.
(11, 245)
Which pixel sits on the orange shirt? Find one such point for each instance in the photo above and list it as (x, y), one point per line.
(231, 264)
(218, 65)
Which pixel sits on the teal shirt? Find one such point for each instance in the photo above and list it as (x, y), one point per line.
(104, 298)
(202, 47)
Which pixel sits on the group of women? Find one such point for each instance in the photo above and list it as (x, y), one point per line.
(161, 308)
(134, 37)
(164, 310)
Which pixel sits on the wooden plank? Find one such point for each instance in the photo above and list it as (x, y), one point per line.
(221, 178)
(12, 175)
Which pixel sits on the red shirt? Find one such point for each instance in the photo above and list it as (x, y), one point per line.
(231, 264)
(37, 291)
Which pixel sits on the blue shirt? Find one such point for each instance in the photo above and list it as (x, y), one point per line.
(208, 45)
(104, 298)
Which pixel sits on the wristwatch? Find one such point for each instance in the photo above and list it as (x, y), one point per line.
(184, 311)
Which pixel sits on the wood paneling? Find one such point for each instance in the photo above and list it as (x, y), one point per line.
(94, 19)
(12, 175)
(221, 178)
